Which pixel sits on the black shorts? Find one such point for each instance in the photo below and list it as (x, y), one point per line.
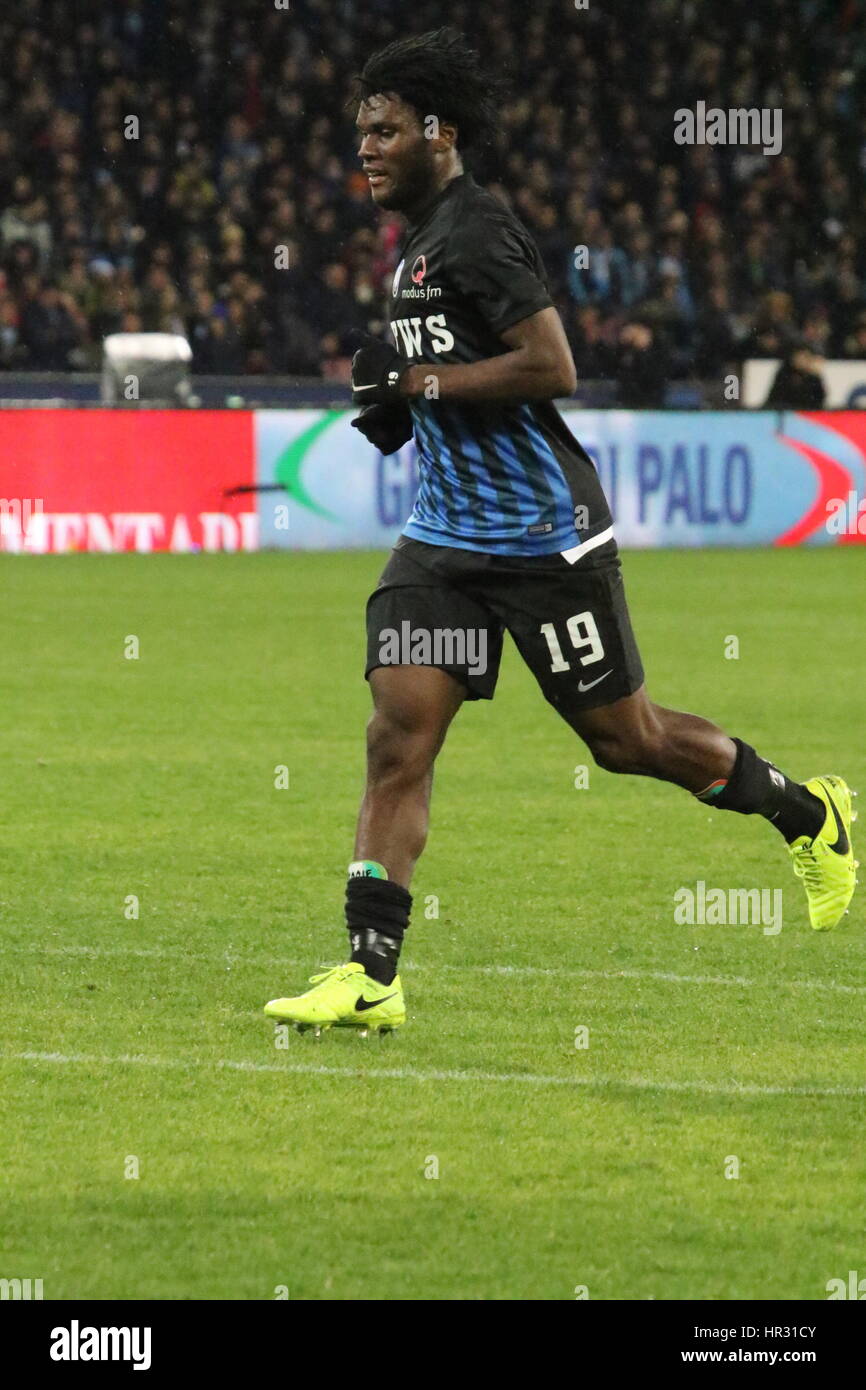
(438, 606)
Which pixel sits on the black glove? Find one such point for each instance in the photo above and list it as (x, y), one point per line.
(389, 427)
(376, 372)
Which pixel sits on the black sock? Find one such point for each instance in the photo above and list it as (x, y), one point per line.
(756, 787)
(377, 915)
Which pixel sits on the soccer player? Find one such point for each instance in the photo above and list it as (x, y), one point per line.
(510, 531)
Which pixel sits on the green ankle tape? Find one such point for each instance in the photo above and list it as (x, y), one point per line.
(713, 790)
(367, 868)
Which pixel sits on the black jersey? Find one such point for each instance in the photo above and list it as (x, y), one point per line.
(509, 478)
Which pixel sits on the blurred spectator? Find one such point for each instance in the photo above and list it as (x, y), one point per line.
(639, 267)
(855, 344)
(603, 279)
(334, 309)
(593, 355)
(11, 347)
(774, 330)
(49, 329)
(717, 333)
(670, 313)
(641, 367)
(220, 350)
(797, 384)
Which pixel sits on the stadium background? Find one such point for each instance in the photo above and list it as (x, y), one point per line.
(245, 143)
(160, 159)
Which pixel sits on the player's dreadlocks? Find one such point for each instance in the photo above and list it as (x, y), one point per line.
(439, 75)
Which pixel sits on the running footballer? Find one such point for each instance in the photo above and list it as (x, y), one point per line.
(511, 532)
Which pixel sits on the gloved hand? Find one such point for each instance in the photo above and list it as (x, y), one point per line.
(376, 372)
(388, 427)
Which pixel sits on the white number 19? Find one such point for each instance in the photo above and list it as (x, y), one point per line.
(584, 635)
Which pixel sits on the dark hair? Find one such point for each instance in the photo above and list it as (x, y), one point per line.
(439, 75)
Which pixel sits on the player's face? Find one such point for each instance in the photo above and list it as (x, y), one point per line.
(397, 158)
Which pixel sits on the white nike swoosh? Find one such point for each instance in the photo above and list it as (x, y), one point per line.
(582, 687)
(366, 388)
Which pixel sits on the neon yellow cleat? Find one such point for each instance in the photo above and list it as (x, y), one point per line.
(344, 997)
(826, 864)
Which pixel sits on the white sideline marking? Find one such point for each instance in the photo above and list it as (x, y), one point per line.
(230, 958)
(638, 1083)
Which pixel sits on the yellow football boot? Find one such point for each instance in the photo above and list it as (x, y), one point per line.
(826, 864)
(344, 997)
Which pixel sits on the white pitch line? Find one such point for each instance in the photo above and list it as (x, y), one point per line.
(231, 958)
(665, 976)
(638, 1083)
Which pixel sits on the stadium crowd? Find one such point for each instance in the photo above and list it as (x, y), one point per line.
(156, 154)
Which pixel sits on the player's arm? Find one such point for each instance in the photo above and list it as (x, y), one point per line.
(537, 367)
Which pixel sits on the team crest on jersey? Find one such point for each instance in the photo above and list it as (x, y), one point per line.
(397, 273)
(419, 270)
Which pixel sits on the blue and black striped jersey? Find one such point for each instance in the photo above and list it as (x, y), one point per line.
(507, 478)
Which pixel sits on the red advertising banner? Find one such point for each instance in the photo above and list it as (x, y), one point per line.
(115, 480)
(156, 480)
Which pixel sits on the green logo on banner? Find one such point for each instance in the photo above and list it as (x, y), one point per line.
(288, 467)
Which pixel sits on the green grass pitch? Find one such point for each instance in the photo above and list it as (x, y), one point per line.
(138, 1042)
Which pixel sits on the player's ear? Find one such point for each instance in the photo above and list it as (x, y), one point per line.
(447, 135)
(441, 134)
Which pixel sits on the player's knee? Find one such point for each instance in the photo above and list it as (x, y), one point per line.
(399, 747)
(610, 753)
(636, 748)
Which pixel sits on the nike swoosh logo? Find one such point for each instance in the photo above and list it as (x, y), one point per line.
(582, 685)
(374, 387)
(841, 846)
(362, 1003)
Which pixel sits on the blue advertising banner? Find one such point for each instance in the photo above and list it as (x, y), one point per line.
(726, 478)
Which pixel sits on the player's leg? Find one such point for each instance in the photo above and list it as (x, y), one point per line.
(413, 707)
(635, 735)
(574, 631)
(415, 698)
